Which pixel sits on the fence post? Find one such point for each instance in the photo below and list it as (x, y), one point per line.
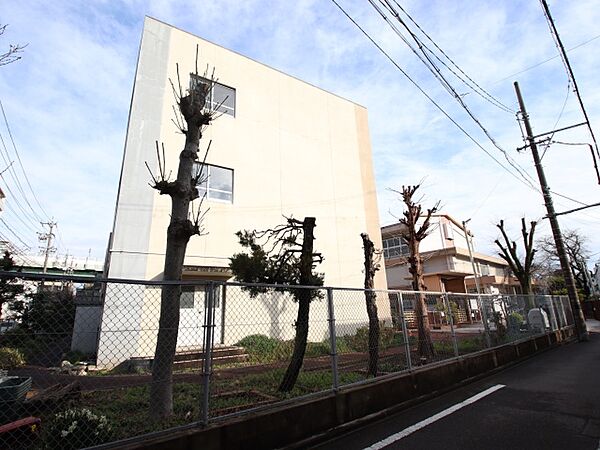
(451, 319)
(404, 330)
(208, 343)
(553, 321)
(332, 339)
(486, 327)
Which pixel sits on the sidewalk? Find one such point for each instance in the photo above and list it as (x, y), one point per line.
(593, 325)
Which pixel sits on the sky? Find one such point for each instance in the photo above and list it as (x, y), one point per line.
(67, 101)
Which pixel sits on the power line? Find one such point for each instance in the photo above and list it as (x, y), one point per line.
(436, 72)
(19, 238)
(14, 198)
(19, 159)
(511, 76)
(569, 69)
(414, 83)
(477, 89)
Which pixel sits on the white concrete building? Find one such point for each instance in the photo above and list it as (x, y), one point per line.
(281, 147)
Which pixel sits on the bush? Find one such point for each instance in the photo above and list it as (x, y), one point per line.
(359, 342)
(514, 321)
(260, 347)
(467, 345)
(11, 358)
(76, 428)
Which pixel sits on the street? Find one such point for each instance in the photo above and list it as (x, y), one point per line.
(551, 401)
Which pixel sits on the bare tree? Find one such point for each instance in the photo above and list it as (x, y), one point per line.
(508, 252)
(578, 254)
(371, 266)
(280, 265)
(415, 233)
(191, 117)
(13, 52)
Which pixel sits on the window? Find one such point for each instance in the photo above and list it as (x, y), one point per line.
(186, 300)
(221, 97)
(394, 247)
(448, 231)
(216, 182)
(188, 296)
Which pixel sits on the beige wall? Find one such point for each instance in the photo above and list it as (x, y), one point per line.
(295, 149)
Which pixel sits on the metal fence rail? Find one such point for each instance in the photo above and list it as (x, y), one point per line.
(77, 354)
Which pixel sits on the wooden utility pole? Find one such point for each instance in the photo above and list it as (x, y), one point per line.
(580, 327)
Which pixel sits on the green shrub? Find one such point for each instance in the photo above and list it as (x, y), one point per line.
(11, 358)
(514, 321)
(359, 342)
(467, 345)
(76, 428)
(262, 348)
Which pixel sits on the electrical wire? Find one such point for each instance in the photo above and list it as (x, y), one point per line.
(475, 87)
(436, 72)
(511, 76)
(414, 83)
(16, 235)
(569, 69)
(20, 162)
(562, 110)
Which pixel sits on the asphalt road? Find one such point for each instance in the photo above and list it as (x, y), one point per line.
(551, 401)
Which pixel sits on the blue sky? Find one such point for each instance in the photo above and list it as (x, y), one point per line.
(67, 101)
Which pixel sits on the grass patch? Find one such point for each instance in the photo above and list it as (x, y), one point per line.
(126, 409)
(264, 349)
(467, 345)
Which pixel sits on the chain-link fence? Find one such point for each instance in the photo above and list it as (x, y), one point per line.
(89, 361)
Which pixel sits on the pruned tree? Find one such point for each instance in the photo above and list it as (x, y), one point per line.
(13, 52)
(192, 116)
(371, 265)
(418, 227)
(523, 270)
(578, 254)
(283, 256)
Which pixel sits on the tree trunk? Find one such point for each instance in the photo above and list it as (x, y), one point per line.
(179, 232)
(304, 297)
(425, 345)
(371, 301)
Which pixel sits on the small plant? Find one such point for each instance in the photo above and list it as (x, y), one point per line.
(499, 324)
(514, 321)
(77, 428)
(75, 356)
(359, 342)
(11, 358)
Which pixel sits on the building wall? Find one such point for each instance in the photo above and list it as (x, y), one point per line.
(295, 150)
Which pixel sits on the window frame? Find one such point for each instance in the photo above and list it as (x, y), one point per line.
(220, 200)
(211, 105)
(403, 246)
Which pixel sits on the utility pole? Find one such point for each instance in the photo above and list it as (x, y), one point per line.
(580, 327)
(479, 302)
(48, 238)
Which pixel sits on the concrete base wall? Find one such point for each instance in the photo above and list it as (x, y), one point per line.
(302, 419)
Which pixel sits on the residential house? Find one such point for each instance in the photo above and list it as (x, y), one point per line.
(281, 147)
(446, 263)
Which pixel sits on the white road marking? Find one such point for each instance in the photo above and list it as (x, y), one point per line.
(422, 424)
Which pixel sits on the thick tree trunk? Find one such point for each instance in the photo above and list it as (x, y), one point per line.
(182, 192)
(371, 301)
(304, 297)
